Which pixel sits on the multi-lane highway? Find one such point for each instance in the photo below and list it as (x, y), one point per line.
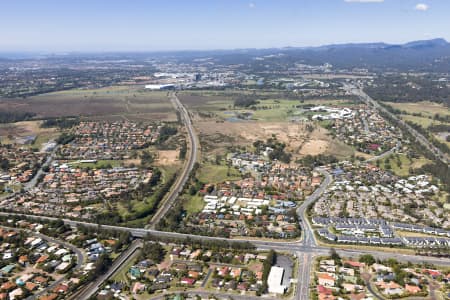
(438, 154)
(304, 252)
(305, 249)
(308, 238)
(91, 289)
(191, 158)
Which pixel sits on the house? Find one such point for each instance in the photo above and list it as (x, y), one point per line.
(391, 288)
(16, 294)
(324, 290)
(61, 288)
(243, 286)
(360, 296)
(235, 272)
(223, 271)
(8, 286)
(349, 287)
(230, 285)
(325, 279)
(40, 280)
(412, 289)
(326, 297)
(193, 274)
(381, 268)
(138, 288)
(49, 297)
(105, 295)
(42, 259)
(187, 281)
(194, 255)
(347, 271)
(30, 286)
(354, 264)
(432, 273)
(7, 269)
(23, 259)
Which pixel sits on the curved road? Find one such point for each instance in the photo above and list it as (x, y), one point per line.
(78, 253)
(438, 154)
(91, 289)
(305, 250)
(192, 154)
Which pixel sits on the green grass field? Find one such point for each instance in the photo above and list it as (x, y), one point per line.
(406, 164)
(426, 108)
(272, 107)
(135, 207)
(122, 274)
(194, 204)
(100, 164)
(209, 173)
(422, 121)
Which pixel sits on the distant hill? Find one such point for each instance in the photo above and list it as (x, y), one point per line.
(425, 55)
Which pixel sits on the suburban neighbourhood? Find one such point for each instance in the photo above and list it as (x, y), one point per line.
(275, 171)
(366, 278)
(367, 205)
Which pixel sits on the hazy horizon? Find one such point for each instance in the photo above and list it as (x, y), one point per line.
(67, 52)
(154, 26)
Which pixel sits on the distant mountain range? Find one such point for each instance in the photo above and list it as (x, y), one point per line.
(414, 44)
(423, 55)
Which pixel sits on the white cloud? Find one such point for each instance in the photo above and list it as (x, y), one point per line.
(364, 1)
(421, 7)
(251, 5)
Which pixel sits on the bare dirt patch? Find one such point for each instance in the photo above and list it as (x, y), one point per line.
(314, 147)
(10, 132)
(167, 157)
(299, 141)
(131, 162)
(363, 155)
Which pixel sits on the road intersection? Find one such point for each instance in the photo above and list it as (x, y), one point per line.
(304, 249)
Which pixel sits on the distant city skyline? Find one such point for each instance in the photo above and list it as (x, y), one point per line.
(159, 25)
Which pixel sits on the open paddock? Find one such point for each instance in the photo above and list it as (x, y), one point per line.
(426, 108)
(110, 102)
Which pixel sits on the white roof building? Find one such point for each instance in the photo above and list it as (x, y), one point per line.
(275, 280)
(159, 86)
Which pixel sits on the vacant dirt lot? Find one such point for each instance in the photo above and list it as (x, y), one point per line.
(297, 138)
(9, 132)
(167, 157)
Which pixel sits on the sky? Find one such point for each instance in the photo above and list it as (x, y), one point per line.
(154, 25)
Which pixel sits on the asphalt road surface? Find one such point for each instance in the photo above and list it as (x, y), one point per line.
(91, 289)
(78, 253)
(419, 137)
(305, 249)
(193, 147)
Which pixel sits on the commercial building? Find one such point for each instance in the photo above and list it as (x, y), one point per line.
(275, 279)
(155, 87)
